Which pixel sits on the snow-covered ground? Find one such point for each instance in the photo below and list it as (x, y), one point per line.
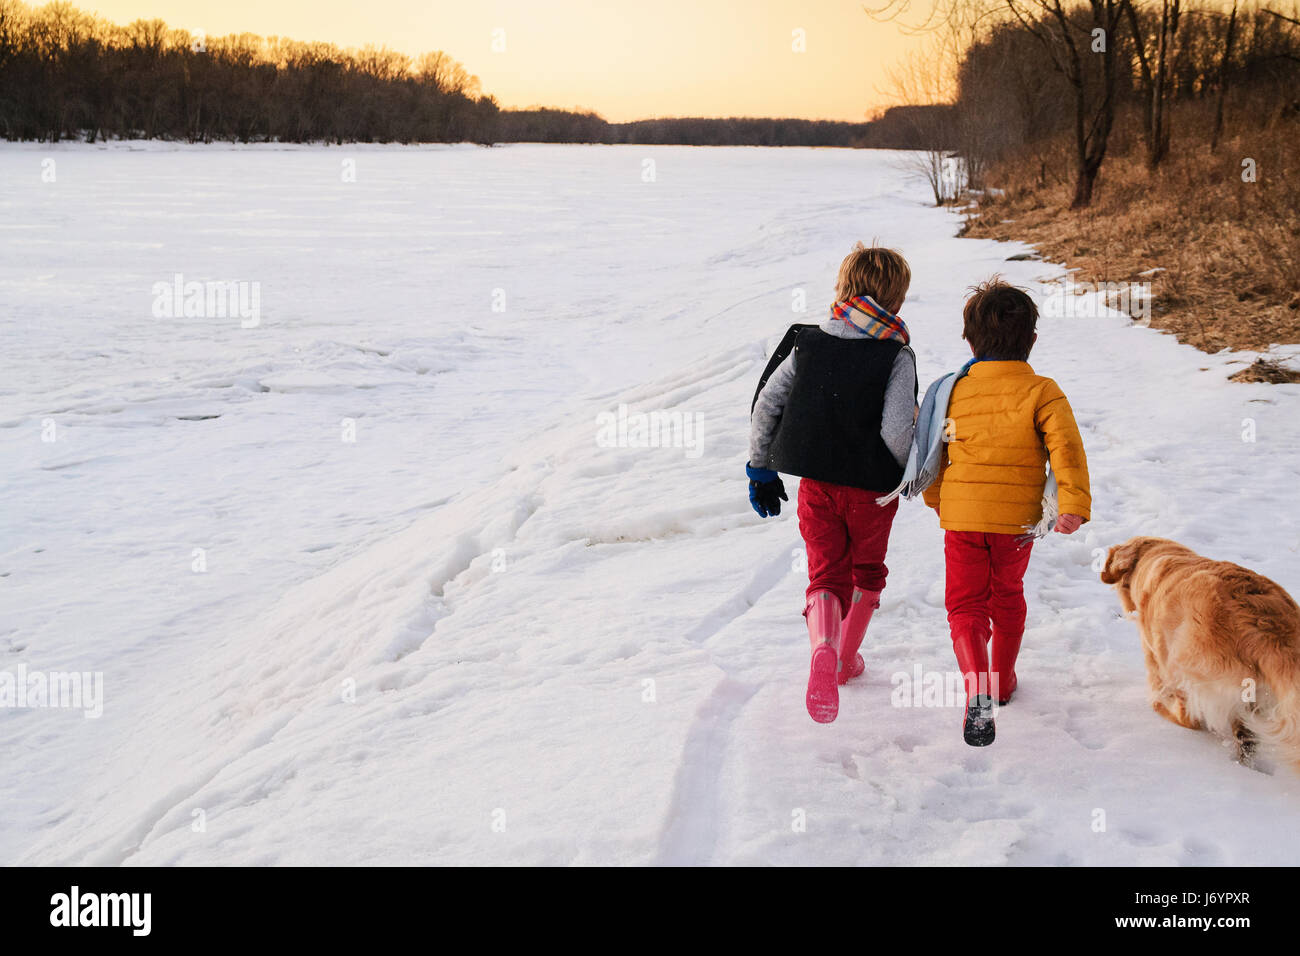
(367, 583)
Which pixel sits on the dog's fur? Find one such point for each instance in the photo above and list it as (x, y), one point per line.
(1212, 631)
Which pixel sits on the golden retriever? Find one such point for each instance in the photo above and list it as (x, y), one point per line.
(1222, 645)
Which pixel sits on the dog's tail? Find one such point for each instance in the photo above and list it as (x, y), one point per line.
(1274, 718)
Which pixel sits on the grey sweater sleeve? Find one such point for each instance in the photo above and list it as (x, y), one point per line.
(898, 420)
(767, 411)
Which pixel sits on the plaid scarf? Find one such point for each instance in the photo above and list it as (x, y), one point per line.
(870, 318)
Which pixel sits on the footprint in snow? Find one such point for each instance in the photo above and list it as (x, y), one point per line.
(907, 742)
(1081, 724)
(1201, 853)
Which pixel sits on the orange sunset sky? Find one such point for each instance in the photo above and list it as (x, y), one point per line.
(624, 59)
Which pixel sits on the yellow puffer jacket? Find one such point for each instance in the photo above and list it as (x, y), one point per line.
(1005, 423)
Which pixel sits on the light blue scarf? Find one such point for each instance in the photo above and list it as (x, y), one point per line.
(925, 457)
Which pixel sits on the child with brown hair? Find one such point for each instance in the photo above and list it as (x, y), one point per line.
(837, 405)
(1004, 424)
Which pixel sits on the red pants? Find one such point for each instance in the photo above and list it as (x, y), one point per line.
(985, 583)
(845, 533)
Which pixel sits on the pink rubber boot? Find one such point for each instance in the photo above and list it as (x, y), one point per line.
(823, 614)
(852, 630)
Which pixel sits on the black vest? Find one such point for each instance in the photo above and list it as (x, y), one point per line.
(830, 428)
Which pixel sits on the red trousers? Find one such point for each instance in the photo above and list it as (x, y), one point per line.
(845, 533)
(985, 583)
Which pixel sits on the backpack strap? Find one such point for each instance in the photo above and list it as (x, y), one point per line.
(783, 349)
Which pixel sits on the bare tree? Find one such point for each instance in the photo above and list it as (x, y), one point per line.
(1155, 66)
(925, 78)
(1230, 35)
(1081, 44)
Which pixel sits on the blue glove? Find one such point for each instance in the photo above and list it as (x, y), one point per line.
(765, 491)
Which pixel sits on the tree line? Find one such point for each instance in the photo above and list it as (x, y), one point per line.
(67, 74)
(898, 127)
(1032, 74)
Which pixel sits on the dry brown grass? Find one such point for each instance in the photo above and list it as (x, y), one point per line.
(1227, 251)
(1263, 370)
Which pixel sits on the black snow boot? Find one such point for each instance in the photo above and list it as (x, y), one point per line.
(978, 729)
